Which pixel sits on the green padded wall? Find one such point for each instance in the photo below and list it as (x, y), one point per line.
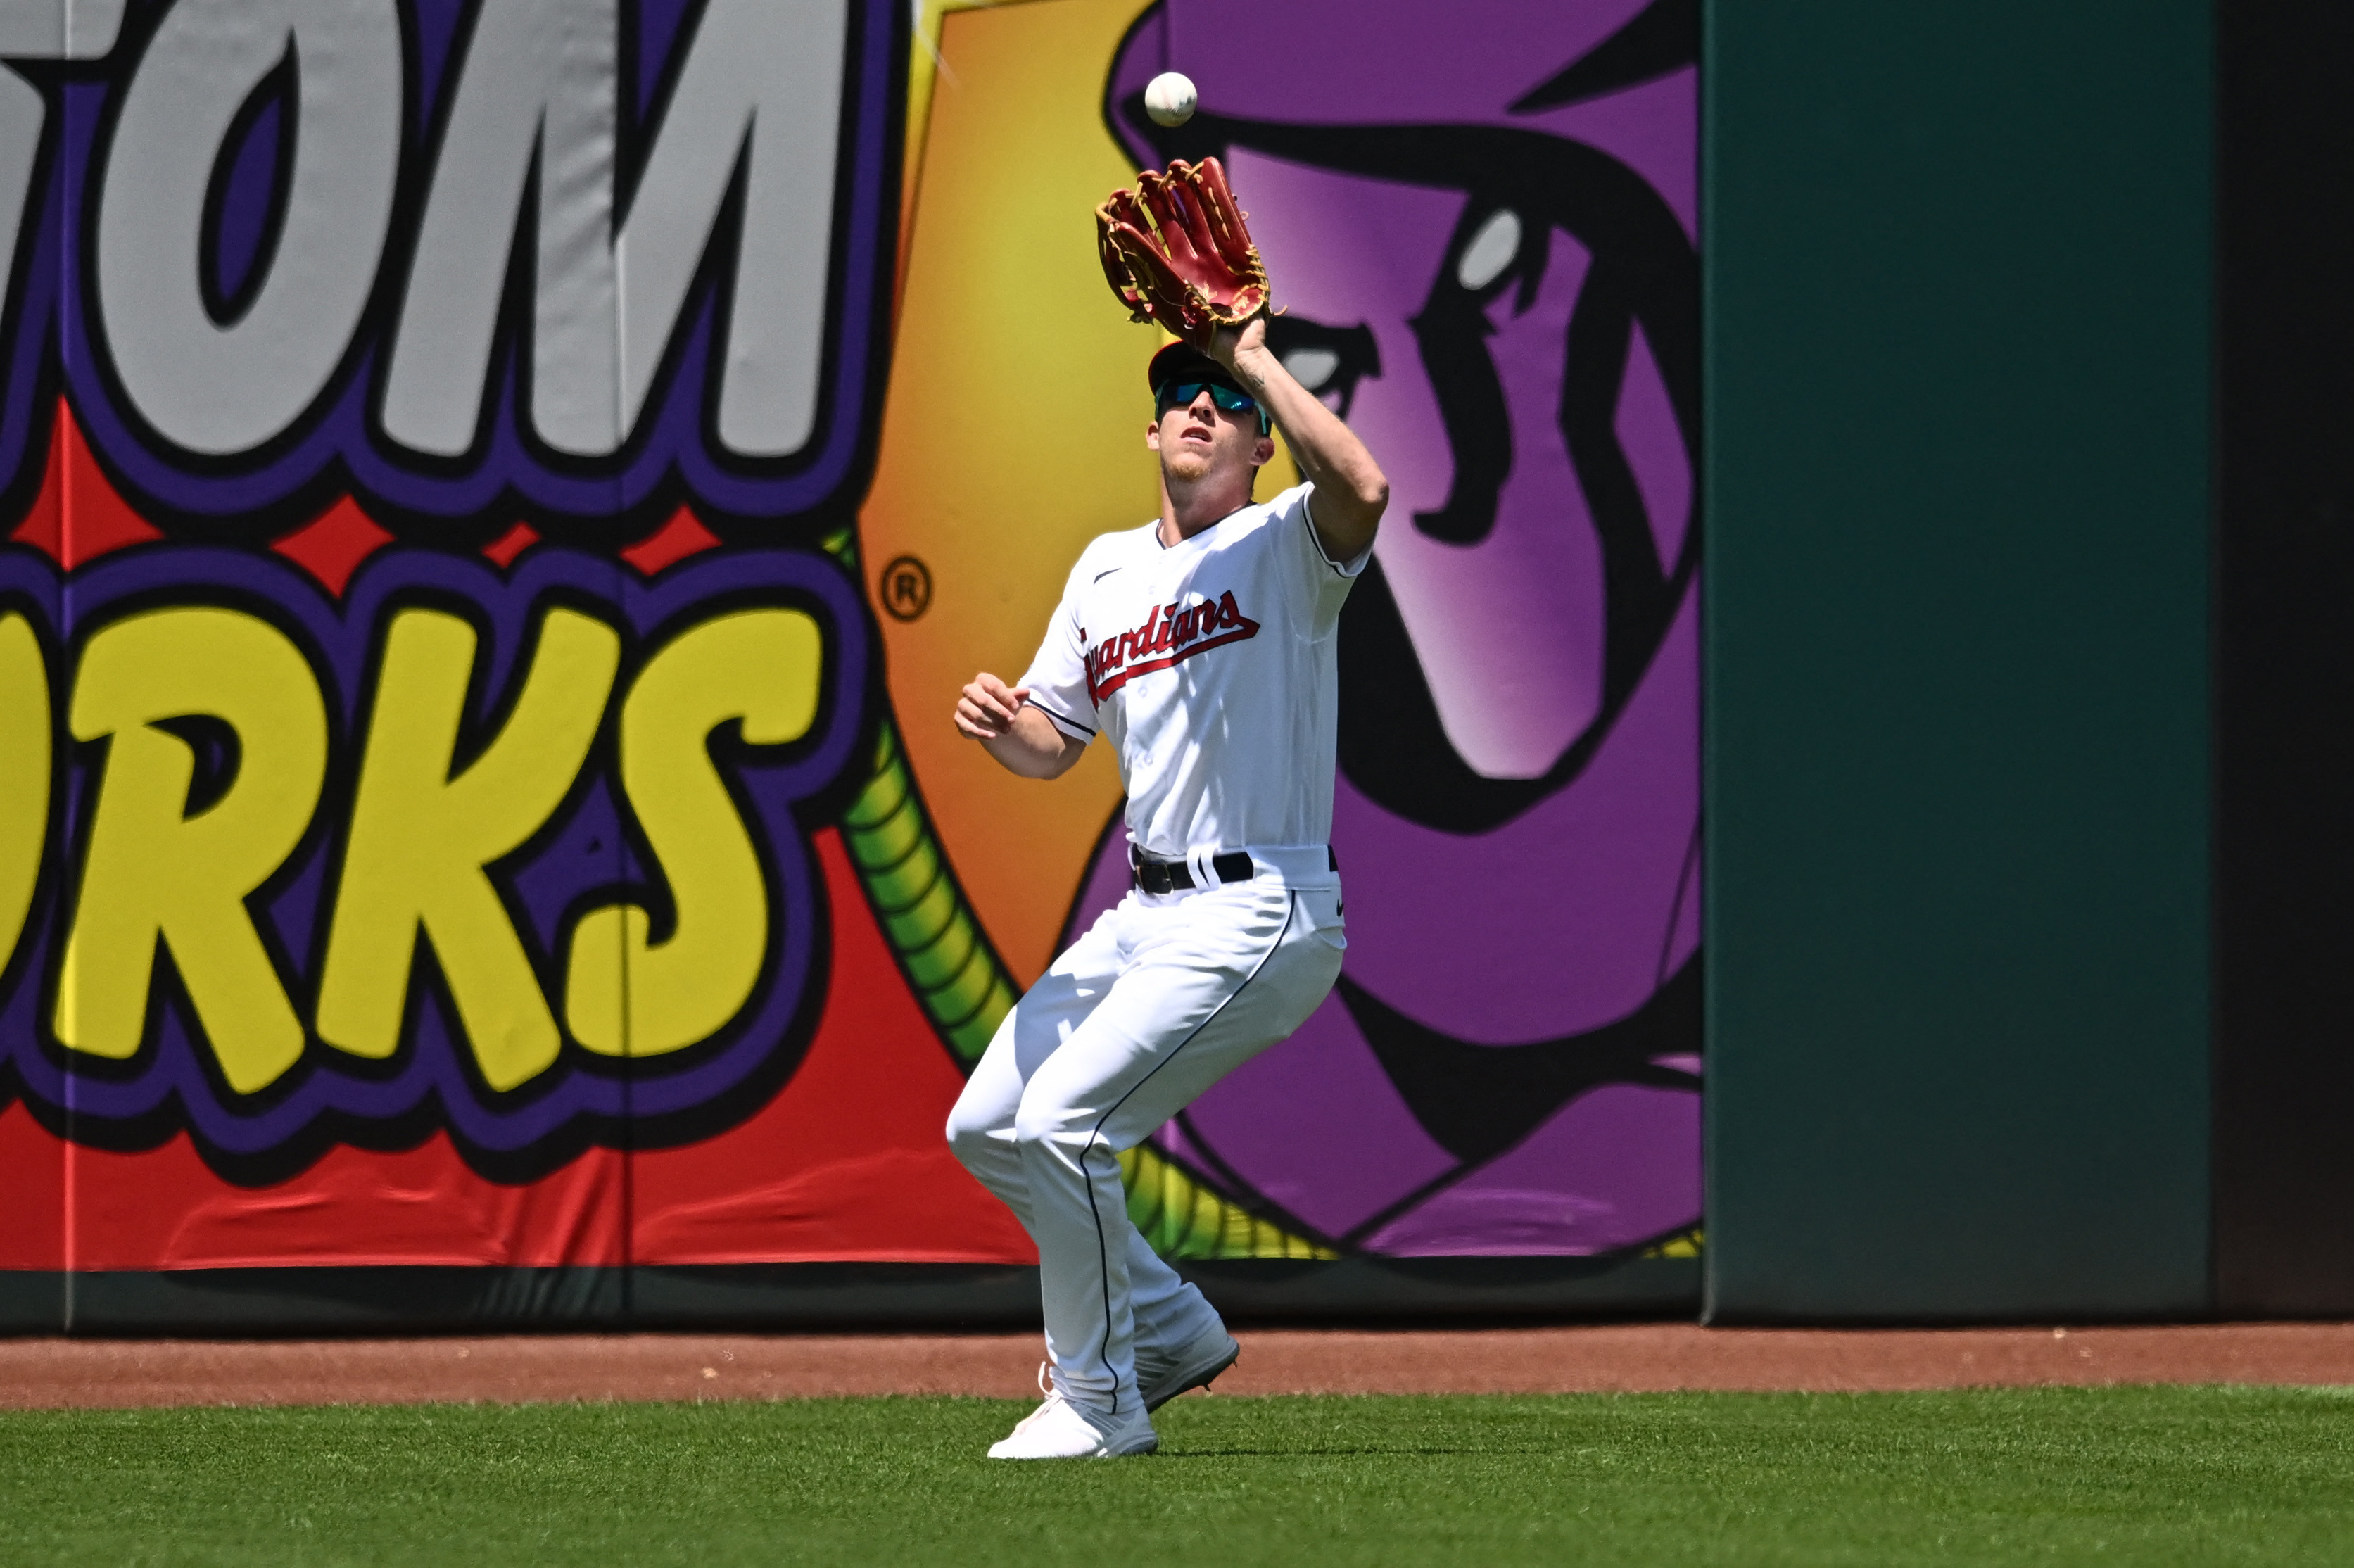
(1957, 479)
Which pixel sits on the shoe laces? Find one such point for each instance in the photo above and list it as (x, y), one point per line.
(1045, 1386)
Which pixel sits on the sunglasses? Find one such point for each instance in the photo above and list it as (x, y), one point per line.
(1181, 394)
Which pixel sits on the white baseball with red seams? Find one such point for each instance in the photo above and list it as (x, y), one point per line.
(1210, 665)
(1170, 98)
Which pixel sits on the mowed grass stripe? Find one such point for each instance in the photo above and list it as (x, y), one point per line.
(2131, 1475)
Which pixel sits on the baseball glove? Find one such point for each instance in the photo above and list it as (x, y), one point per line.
(1175, 251)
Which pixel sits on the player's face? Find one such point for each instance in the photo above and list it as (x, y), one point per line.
(1203, 441)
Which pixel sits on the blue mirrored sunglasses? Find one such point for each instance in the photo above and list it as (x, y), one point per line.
(1181, 394)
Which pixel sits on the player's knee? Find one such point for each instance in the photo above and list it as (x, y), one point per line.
(965, 1141)
(969, 1132)
(1041, 1121)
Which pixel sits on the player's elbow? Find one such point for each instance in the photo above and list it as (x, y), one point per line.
(1359, 517)
(1362, 502)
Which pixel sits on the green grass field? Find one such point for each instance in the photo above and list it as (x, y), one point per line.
(2139, 1476)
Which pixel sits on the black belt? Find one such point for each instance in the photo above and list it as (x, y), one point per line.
(1154, 874)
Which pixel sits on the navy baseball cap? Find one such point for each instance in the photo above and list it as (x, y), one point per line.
(1183, 362)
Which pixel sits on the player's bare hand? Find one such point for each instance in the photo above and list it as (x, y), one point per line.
(986, 707)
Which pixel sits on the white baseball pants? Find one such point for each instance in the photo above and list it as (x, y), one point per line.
(1161, 998)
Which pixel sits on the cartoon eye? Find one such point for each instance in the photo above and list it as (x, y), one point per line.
(1311, 367)
(1495, 246)
(1328, 361)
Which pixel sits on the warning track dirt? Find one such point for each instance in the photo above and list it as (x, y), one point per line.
(48, 1373)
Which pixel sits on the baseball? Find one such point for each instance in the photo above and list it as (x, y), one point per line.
(1170, 98)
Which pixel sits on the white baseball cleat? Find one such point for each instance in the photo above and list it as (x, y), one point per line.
(1193, 1365)
(1045, 1386)
(1061, 1430)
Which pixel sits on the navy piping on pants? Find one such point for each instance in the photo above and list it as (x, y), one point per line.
(1103, 1257)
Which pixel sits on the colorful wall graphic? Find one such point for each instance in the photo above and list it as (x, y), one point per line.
(499, 498)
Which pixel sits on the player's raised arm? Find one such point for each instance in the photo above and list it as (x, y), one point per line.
(1350, 490)
(1021, 738)
(1177, 250)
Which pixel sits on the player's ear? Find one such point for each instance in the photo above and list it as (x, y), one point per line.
(1152, 437)
(1263, 451)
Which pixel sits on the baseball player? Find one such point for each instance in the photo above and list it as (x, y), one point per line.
(1202, 645)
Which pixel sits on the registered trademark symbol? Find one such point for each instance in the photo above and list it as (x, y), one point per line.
(905, 588)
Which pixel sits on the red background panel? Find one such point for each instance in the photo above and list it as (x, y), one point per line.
(163, 1209)
(33, 1177)
(851, 1160)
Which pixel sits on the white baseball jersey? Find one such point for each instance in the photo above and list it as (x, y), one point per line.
(1210, 665)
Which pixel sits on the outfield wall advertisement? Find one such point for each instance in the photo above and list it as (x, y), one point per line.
(499, 497)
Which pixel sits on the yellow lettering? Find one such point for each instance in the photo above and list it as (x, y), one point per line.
(626, 994)
(153, 870)
(420, 838)
(23, 774)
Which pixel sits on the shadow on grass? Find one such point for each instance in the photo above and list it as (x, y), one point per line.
(1357, 1453)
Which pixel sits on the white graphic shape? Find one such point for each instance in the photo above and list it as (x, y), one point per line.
(216, 389)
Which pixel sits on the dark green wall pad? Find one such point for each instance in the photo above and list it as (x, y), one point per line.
(1957, 293)
(1444, 1290)
(853, 1297)
(2285, 667)
(31, 1302)
(401, 1301)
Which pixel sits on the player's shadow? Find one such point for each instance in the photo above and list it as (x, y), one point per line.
(1356, 1451)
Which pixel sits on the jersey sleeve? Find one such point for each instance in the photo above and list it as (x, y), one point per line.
(1057, 677)
(1324, 581)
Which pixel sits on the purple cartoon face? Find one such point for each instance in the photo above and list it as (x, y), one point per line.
(1480, 223)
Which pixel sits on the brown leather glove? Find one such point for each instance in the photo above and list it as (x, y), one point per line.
(1175, 251)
